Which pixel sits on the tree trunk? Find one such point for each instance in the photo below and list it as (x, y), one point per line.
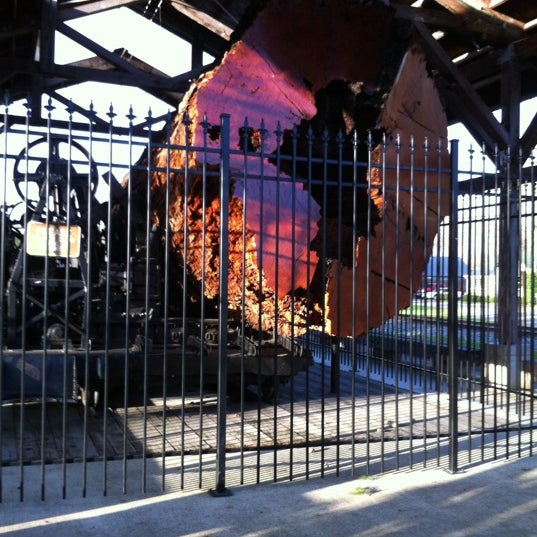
(309, 254)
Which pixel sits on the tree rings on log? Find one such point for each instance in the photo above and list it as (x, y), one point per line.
(302, 253)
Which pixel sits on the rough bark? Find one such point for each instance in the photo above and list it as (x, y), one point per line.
(324, 68)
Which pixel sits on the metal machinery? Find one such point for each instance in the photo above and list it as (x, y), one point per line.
(84, 312)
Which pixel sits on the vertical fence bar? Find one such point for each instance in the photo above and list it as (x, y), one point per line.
(519, 369)
(108, 291)
(335, 356)
(309, 275)
(87, 315)
(484, 307)
(128, 285)
(147, 229)
(166, 303)
(508, 304)
(409, 320)
(383, 336)
(205, 126)
(185, 124)
(69, 110)
(422, 318)
(452, 312)
(278, 134)
(243, 295)
(3, 249)
(467, 312)
(53, 150)
(324, 141)
(354, 357)
(335, 382)
(434, 325)
(146, 301)
(532, 289)
(24, 310)
(396, 316)
(294, 136)
(220, 489)
(369, 229)
(498, 337)
(261, 261)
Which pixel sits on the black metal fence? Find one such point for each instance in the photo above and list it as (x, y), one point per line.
(258, 305)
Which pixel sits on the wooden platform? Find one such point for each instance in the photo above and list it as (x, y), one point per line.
(305, 413)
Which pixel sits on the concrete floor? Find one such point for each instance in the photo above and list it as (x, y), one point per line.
(493, 499)
(152, 497)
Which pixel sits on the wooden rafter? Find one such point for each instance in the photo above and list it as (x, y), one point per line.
(97, 49)
(528, 141)
(203, 19)
(179, 24)
(69, 12)
(128, 72)
(480, 10)
(479, 116)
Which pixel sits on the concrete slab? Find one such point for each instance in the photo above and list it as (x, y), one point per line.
(489, 500)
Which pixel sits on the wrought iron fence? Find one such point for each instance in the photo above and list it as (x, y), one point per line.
(260, 304)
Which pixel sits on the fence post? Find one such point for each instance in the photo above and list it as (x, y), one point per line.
(453, 286)
(220, 489)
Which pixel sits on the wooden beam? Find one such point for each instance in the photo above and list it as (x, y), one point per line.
(435, 18)
(486, 124)
(46, 39)
(510, 96)
(129, 74)
(466, 114)
(97, 49)
(67, 12)
(479, 11)
(528, 141)
(203, 19)
(139, 79)
(526, 48)
(481, 67)
(184, 27)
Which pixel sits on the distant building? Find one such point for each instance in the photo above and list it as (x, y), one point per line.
(437, 271)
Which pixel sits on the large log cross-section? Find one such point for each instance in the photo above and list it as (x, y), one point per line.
(323, 68)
